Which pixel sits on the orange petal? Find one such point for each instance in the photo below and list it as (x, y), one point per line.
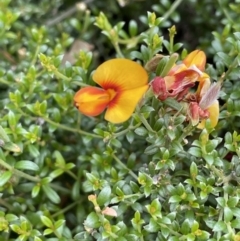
(91, 101)
(120, 74)
(197, 58)
(214, 114)
(122, 107)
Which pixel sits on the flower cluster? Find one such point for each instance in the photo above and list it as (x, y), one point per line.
(202, 104)
(124, 82)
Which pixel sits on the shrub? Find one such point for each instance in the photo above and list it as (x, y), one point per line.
(156, 176)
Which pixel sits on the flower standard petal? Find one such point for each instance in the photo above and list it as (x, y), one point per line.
(91, 101)
(122, 106)
(120, 74)
(197, 58)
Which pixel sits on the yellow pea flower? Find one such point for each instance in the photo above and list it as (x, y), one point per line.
(123, 83)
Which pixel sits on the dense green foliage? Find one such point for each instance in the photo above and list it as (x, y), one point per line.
(65, 176)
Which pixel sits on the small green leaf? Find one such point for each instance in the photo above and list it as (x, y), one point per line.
(133, 28)
(136, 55)
(195, 226)
(92, 221)
(4, 177)
(236, 212)
(46, 180)
(12, 119)
(70, 166)
(208, 158)
(68, 69)
(11, 147)
(154, 208)
(56, 173)
(171, 62)
(195, 151)
(175, 199)
(137, 222)
(46, 221)
(237, 35)
(104, 196)
(165, 232)
(43, 107)
(116, 143)
(227, 60)
(15, 228)
(152, 227)
(76, 190)
(47, 231)
(11, 217)
(26, 165)
(235, 223)
(173, 104)
(141, 131)
(35, 191)
(57, 60)
(221, 201)
(37, 239)
(147, 191)
(3, 135)
(166, 220)
(186, 227)
(232, 202)
(59, 158)
(179, 120)
(130, 136)
(33, 150)
(220, 226)
(193, 170)
(145, 52)
(147, 109)
(228, 214)
(177, 46)
(161, 65)
(91, 178)
(51, 194)
(59, 223)
(152, 149)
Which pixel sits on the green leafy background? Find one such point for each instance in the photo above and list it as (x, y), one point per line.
(160, 178)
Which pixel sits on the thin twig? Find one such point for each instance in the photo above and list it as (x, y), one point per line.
(69, 12)
(125, 167)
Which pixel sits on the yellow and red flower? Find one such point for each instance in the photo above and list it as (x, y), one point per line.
(205, 106)
(181, 77)
(123, 83)
(175, 86)
(177, 83)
